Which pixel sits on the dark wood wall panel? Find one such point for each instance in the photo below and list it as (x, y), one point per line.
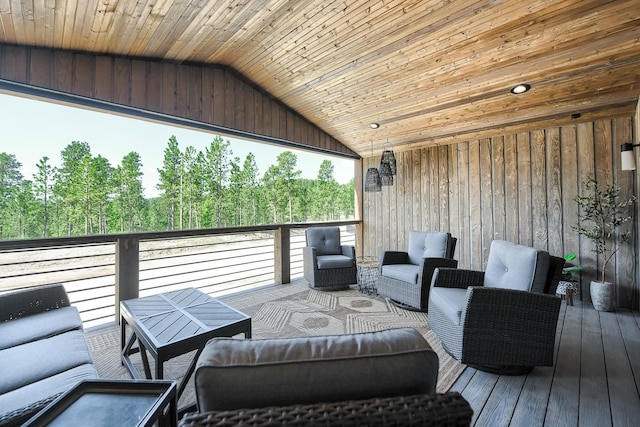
(517, 187)
(211, 94)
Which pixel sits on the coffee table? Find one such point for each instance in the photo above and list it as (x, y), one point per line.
(174, 323)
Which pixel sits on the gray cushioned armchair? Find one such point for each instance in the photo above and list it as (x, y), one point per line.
(405, 277)
(502, 320)
(328, 265)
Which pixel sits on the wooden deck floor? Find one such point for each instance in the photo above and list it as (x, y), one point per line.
(595, 380)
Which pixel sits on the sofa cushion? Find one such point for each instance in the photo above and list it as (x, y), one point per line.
(334, 261)
(34, 392)
(326, 240)
(37, 326)
(513, 266)
(450, 301)
(27, 363)
(406, 272)
(427, 244)
(234, 373)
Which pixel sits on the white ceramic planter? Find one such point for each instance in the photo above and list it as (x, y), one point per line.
(602, 295)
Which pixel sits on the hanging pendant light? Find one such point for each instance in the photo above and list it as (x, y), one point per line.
(389, 158)
(372, 180)
(386, 177)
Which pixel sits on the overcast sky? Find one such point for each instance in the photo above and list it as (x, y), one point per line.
(34, 129)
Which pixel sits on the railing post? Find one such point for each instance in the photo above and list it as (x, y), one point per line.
(127, 270)
(282, 254)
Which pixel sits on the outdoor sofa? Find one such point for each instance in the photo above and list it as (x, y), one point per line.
(381, 378)
(43, 351)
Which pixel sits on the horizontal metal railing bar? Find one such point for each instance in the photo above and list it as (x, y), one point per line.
(151, 235)
(219, 263)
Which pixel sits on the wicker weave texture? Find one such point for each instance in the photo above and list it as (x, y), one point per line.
(448, 409)
(29, 301)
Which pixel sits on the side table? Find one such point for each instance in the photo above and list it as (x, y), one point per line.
(112, 403)
(568, 290)
(367, 275)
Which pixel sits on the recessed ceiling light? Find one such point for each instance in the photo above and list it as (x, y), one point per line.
(521, 88)
(374, 125)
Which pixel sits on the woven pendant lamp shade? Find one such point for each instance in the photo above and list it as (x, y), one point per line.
(386, 177)
(372, 180)
(389, 158)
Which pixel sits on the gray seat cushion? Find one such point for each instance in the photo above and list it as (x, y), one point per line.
(326, 240)
(31, 362)
(42, 325)
(451, 301)
(405, 272)
(45, 388)
(427, 244)
(334, 261)
(234, 373)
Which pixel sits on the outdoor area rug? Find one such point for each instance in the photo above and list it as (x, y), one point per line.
(292, 310)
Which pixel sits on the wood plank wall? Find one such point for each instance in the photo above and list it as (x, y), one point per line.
(513, 187)
(210, 94)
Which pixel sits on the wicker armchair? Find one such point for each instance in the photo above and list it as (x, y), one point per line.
(328, 265)
(405, 277)
(502, 320)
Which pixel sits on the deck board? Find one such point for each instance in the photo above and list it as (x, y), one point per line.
(562, 409)
(594, 381)
(594, 403)
(623, 391)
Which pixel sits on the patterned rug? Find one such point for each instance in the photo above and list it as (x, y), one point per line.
(292, 310)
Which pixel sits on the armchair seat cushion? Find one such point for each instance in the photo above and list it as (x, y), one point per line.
(334, 261)
(450, 301)
(405, 272)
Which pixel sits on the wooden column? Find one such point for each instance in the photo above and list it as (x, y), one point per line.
(358, 208)
(127, 271)
(282, 255)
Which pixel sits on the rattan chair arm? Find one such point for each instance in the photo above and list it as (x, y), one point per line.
(523, 323)
(22, 415)
(349, 250)
(457, 278)
(29, 301)
(394, 257)
(447, 409)
(309, 257)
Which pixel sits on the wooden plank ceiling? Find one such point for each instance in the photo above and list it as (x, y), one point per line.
(429, 72)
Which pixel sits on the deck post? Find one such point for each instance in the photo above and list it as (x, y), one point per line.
(282, 254)
(127, 270)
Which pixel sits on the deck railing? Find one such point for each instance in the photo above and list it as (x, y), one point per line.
(99, 271)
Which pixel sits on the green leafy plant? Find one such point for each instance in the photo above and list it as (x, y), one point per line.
(600, 216)
(570, 270)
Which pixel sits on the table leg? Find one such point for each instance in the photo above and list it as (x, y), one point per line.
(145, 362)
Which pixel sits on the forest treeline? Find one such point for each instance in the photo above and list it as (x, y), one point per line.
(196, 189)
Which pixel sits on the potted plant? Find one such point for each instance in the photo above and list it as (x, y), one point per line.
(600, 216)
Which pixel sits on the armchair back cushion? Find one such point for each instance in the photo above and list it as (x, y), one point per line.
(513, 266)
(326, 240)
(234, 374)
(427, 244)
